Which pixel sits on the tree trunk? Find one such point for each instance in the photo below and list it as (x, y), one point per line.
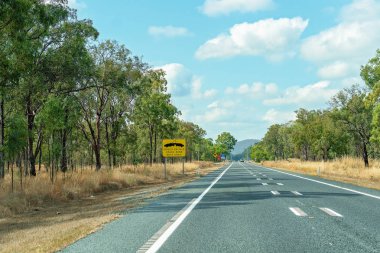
(64, 151)
(40, 158)
(30, 116)
(97, 143)
(365, 155)
(98, 162)
(155, 146)
(2, 172)
(108, 145)
(64, 141)
(150, 145)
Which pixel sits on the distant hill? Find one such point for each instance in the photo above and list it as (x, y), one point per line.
(243, 145)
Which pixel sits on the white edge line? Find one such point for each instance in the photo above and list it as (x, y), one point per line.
(330, 212)
(320, 182)
(160, 241)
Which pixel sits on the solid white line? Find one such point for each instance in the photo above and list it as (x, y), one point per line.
(162, 239)
(264, 183)
(320, 182)
(330, 212)
(280, 184)
(297, 211)
(296, 193)
(275, 192)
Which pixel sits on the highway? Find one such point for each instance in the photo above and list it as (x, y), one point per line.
(243, 207)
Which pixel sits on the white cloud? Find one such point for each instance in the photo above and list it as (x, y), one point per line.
(179, 79)
(316, 93)
(181, 82)
(256, 89)
(272, 38)
(273, 116)
(197, 90)
(168, 31)
(218, 111)
(218, 7)
(340, 50)
(360, 10)
(335, 70)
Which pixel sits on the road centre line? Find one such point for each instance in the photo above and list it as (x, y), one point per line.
(280, 184)
(296, 193)
(330, 212)
(320, 182)
(297, 211)
(170, 230)
(275, 192)
(264, 183)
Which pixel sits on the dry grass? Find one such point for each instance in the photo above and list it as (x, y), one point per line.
(46, 217)
(39, 190)
(346, 169)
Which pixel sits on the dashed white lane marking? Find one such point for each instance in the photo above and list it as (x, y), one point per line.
(170, 230)
(297, 211)
(280, 184)
(296, 193)
(270, 178)
(320, 182)
(258, 178)
(330, 212)
(264, 183)
(275, 192)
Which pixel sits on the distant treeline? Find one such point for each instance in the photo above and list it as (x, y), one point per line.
(68, 100)
(350, 127)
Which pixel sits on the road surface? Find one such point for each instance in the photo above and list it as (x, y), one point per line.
(247, 208)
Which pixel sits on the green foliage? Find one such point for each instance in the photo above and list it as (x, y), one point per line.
(16, 135)
(225, 143)
(259, 153)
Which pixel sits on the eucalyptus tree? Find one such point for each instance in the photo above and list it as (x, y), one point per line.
(349, 108)
(153, 109)
(50, 56)
(227, 141)
(193, 135)
(370, 73)
(106, 105)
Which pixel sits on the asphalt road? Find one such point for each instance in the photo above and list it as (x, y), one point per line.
(246, 208)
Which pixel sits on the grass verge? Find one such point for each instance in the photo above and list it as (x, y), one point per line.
(46, 217)
(346, 169)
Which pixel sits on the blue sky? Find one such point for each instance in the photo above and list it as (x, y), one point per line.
(242, 65)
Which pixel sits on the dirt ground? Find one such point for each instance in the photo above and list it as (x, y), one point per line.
(50, 228)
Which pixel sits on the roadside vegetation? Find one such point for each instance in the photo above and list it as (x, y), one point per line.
(81, 127)
(69, 102)
(39, 192)
(334, 139)
(345, 169)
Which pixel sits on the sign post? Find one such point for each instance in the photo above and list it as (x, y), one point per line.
(174, 148)
(183, 166)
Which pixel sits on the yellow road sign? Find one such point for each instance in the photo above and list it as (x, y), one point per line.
(173, 147)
